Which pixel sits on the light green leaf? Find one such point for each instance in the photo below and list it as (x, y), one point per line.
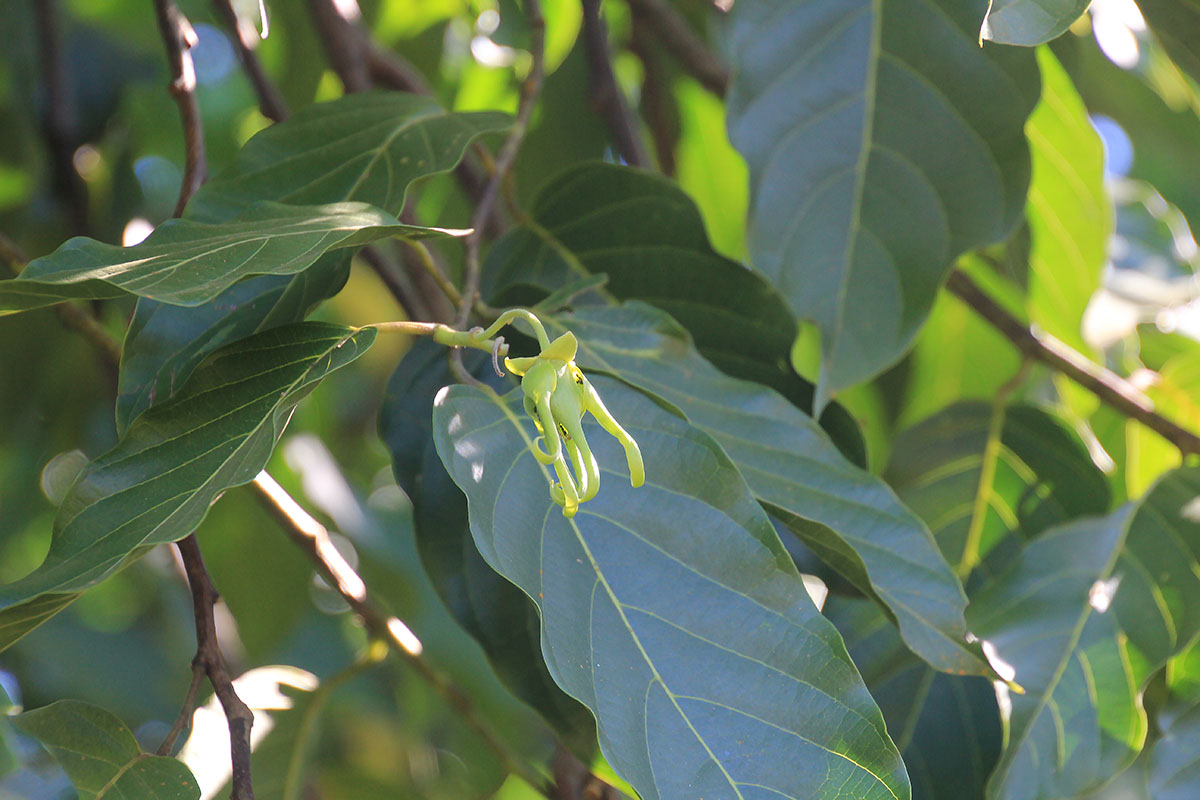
(1040, 475)
(157, 483)
(671, 610)
(848, 516)
(1029, 22)
(1069, 210)
(367, 147)
(101, 757)
(845, 111)
(1085, 613)
(189, 263)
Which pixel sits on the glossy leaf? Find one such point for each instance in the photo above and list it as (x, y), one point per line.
(946, 726)
(1029, 22)
(845, 112)
(1041, 476)
(189, 263)
(367, 147)
(849, 517)
(647, 237)
(157, 483)
(1084, 614)
(101, 757)
(672, 610)
(1069, 210)
(1176, 23)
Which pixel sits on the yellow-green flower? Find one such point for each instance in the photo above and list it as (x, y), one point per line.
(557, 394)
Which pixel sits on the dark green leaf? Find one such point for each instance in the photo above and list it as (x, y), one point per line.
(1042, 476)
(647, 236)
(1174, 765)
(189, 263)
(848, 516)
(671, 610)
(1176, 23)
(367, 147)
(101, 757)
(1029, 22)
(1084, 614)
(845, 112)
(946, 726)
(164, 343)
(174, 461)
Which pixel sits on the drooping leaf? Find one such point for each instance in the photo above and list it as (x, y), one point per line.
(1040, 475)
(647, 237)
(848, 516)
(671, 610)
(157, 483)
(1085, 613)
(1174, 765)
(1069, 210)
(101, 757)
(496, 613)
(367, 147)
(845, 113)
(1029, 22)
(1176, 23)
(189, 263)
(946, 726)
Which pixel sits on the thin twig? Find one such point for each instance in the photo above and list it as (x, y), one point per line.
(208, 656)
(424, 257)
(344, 45)
(390, 70)
(186, 712)
(606, 95)
(657, 100)
(398, 282)
(270, 101)
(179, 38)
(1112, 389)
(59, 118)
(684, 44)
(531, 89)
(313, 538)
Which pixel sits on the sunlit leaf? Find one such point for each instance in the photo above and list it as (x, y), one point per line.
(1040, 475)
(1084, 614)
(189, 263)
(101, 757)
(1070, 213)
(671, 610)
(845, 112)
(174, 461)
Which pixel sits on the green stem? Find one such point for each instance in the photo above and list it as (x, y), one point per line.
(444, 334)
(523, 314)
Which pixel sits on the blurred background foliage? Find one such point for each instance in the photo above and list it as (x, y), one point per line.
(386, 734)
